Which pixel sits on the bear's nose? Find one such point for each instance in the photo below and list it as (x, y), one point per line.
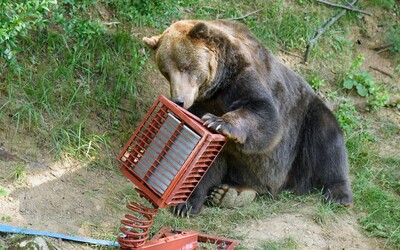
(178, 101)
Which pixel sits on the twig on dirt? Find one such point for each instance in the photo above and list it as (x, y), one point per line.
(111, 23)
(345, 7)
(118, 107)
(290, 53)
(384, 48)
(381, 71)
(348, 3)
(247, 15)
(321, 30)
(123, 109)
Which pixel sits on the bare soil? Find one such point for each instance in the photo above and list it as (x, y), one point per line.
(72, 198)
(301, 226)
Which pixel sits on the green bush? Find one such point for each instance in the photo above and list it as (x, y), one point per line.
(152, 13)
(17, 19)
(348, 117)
(393, 37)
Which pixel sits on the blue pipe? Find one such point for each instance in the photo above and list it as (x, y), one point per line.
(17, 230)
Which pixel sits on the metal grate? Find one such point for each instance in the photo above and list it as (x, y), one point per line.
(169, 153)
(166, 157)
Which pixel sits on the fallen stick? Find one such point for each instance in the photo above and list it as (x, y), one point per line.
(381, 71)
(345, 7)
(247, 15)
(111, 23)
(289, 53)
(321, 30)
(387, 47)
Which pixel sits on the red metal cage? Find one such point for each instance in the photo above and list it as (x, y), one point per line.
(169, 153)
(166, 157)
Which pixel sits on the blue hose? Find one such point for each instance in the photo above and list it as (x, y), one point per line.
(17, 230)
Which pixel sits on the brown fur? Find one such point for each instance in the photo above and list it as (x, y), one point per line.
(282, 137)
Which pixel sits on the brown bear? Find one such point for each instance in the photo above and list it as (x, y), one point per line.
(281, 135)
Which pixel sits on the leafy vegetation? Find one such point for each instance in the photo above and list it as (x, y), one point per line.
(73, 76)
(17, 19)
(394, 39)
(363, 82)
(155, 14)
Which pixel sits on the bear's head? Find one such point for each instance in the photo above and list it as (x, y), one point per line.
(185, 59)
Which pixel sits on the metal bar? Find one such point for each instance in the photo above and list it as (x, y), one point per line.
(17, 230)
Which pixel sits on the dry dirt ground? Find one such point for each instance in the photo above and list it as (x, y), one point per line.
(72, 198)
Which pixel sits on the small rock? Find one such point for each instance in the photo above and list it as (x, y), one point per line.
(32, 243)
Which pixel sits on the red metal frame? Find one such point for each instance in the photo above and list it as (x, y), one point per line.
(167, 234)
(195, 166)
(173, 239)
(147, 161)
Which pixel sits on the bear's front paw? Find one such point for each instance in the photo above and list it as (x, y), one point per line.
(186, 209)
(220, 125)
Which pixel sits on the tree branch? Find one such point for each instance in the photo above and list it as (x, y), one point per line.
(344, 7)
(321, 30)
(381, 71)
(290, 53)
(247, 15)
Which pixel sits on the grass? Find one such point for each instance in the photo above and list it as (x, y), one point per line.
(17, 174)
(62, 95)
(76, 84)
(326, 213)
(377, 195)
(286, 243)
(3, 192)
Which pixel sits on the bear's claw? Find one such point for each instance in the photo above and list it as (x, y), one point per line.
(187, 209)
(340, 194)
(221, 126)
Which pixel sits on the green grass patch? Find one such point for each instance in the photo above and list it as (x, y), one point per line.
(3, 192)
(327, 212)
(18, 173)
(376, 193)
(74, 94)
(217, 221)
(286, 243)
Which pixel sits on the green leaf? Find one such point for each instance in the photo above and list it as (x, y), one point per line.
(362, 90)
(349, 83)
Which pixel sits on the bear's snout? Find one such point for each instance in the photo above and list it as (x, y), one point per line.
(178, 101)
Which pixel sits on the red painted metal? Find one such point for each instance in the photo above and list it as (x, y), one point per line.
(166, 157)
(194, 166)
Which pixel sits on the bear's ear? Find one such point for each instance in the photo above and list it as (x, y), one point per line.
(200, 30)
(152, 42)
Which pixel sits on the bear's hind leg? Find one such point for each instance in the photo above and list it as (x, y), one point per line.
(325, 153)
(339, 193)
